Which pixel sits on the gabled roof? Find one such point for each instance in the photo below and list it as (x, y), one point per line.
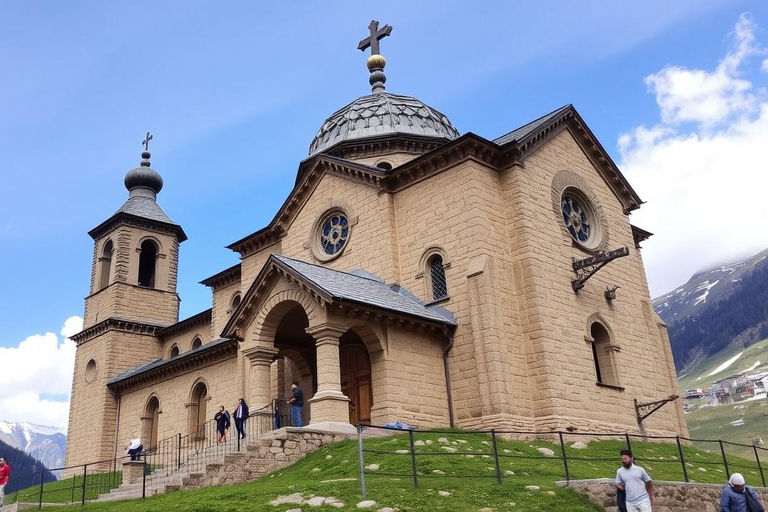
(519, 134)
(357, 289)
(158, 364)
(499, 153)
(365, 289)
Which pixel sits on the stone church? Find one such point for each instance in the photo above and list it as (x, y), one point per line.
(413, 274)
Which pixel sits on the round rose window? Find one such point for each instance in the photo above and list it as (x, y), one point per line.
(334, 233)
(578, 218)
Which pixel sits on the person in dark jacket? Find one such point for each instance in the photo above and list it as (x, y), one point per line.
(241, 415)
(222, 423)
(737, 497)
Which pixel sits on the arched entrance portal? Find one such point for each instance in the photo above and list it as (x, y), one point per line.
(197, 410)
(296, 360)
(356, 381)
(150, 422)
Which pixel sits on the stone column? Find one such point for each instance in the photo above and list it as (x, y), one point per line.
(330, 407)
(258, 376)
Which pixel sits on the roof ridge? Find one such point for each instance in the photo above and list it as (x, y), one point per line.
(282, 256)
(538, 119)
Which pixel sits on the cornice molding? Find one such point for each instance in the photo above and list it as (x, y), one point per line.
(223, 278)
(116, 324)
(126, 219)
(179, 365)
(202, 318)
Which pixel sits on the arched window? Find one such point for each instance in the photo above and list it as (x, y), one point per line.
(437, 283)
(603, 355)
(197, 343)
(147, 259)
(105, 264)
(174, 352)
(236, 301)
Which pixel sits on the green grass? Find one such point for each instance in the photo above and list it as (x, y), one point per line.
(699, 377)
(715, 423)
(391, 485)
(69, 489)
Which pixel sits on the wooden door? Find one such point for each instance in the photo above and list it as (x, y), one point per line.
(356, 382)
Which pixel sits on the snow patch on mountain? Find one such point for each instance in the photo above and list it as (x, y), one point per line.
(726, 364)
(46, 444)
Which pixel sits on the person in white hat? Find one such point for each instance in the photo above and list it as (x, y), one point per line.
(737, 497)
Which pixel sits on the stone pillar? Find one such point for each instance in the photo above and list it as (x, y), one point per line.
(330, 407)
(259, 379)
(133, 471)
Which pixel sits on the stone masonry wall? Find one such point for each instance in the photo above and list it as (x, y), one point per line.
(274, 451)
(175, 395)
(555, 319)
(222, 308)
(669, 496)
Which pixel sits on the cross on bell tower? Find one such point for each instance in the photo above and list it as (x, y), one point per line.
(376, 61)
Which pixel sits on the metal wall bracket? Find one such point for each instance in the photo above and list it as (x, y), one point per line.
(588, 267)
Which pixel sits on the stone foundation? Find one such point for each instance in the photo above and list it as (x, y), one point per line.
(670, 496)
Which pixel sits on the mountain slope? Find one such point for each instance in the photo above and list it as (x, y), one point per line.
(46, 444)
(705, 319)
(25, 470)
(704, 289)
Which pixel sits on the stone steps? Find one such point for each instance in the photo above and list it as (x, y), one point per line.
(221, 465)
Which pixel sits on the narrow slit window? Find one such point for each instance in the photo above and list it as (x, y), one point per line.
(437, 278)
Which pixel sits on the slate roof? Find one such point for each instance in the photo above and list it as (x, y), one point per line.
(382, 114)
(365, 288)
(525, 130)
(159, 363)
(145, 207)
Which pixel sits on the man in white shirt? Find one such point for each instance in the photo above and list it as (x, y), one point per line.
(636, 483)
(134, 447)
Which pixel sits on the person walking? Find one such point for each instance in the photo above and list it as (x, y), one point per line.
(222, 423)
(241, 415)
(737, 497)
(134, 447)
(297, 403)
(5, 474)
(635, 483)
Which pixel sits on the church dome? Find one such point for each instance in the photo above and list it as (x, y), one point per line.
(382, 114)
(144, 176)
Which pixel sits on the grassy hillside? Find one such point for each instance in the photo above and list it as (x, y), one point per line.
(699, 376)
(468, 474)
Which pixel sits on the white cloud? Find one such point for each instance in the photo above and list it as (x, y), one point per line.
(708, 97)
(705, 186)
(40, 366)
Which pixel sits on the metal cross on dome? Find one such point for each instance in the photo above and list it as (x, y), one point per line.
(146, 140)
(376, 36)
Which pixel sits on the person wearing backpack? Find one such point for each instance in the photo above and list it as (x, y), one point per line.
(737, 497)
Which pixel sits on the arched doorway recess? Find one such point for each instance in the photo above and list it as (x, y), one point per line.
(356, 382)
(197, 410)
(150, 422)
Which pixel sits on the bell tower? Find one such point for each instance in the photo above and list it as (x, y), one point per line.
(132, 296)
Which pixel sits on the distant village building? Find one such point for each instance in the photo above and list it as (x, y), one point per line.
(412, 274)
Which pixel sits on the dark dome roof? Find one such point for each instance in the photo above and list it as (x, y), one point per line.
(382, 114)
(144, 177)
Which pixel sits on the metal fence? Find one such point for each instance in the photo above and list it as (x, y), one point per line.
(168, 457)
(564, 462)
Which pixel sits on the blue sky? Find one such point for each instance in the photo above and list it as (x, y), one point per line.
(234, 92)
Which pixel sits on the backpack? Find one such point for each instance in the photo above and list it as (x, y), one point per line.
(753, 505)
(228, 424)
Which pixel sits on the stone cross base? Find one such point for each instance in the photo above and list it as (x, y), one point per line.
(133, 471)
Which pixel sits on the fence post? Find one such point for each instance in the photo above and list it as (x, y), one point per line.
(725, 460)
(362, 459)
(144, 479)
(413, 459)
(629, 445)
(496, 456)
(85, 477)
(72, 498)
(757, 458)
(42, 476)
(682, 458)
(178, 455)
(565, 457)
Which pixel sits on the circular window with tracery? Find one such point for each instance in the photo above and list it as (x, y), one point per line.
(332, 235)
(580, 219)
